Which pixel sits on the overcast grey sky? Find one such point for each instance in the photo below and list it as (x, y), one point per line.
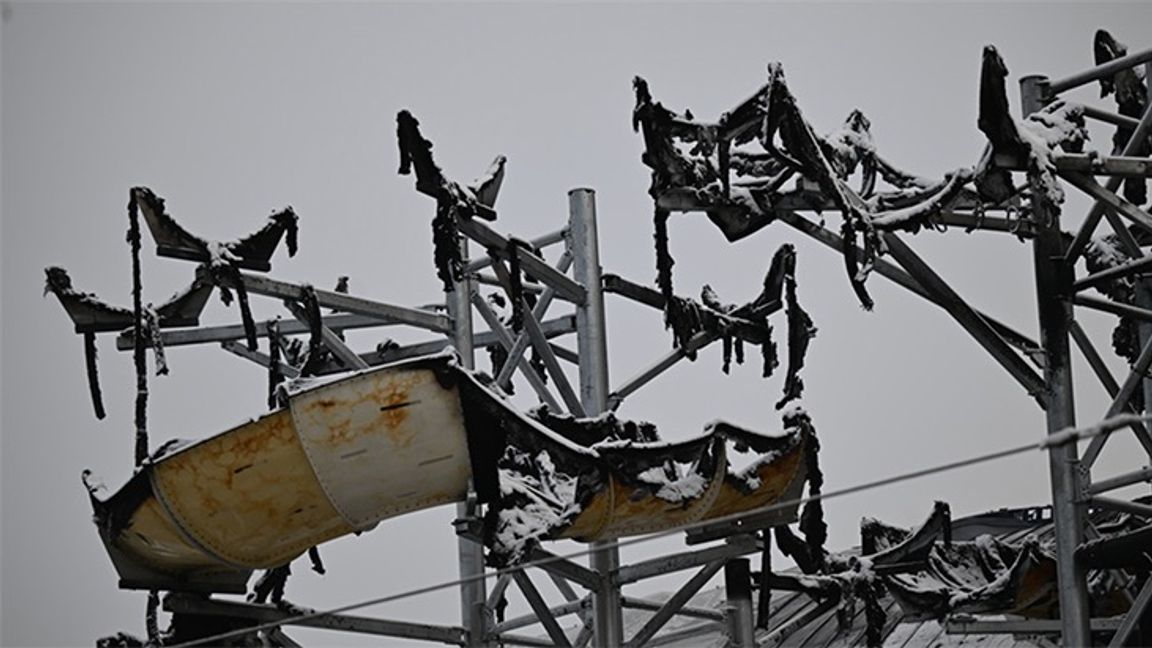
(233, 111)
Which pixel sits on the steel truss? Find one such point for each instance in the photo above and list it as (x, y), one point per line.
(594, 592)
(575, 278)
(1043, 368)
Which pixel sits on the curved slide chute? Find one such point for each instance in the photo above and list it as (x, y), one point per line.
(348, 452)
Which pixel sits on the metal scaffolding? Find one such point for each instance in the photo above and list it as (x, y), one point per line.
(680, 184)
(1043, 367)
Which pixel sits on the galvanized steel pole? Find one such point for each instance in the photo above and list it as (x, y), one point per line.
(470, 554)
(1053, 288)
(738, 590)
(592, 339)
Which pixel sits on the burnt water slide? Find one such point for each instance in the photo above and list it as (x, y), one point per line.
(348, 452)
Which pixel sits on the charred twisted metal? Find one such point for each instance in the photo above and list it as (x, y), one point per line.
(695, 167)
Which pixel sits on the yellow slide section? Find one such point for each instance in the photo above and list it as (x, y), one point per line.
(349, 452)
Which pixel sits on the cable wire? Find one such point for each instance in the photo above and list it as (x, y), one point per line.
(1054, 440)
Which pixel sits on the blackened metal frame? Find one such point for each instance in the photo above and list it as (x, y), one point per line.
(601, 608)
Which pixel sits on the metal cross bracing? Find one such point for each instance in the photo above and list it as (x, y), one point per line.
(705, 167)
(593, 592)
(1041, 367)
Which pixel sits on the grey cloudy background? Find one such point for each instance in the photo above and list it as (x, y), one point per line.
(231, 112)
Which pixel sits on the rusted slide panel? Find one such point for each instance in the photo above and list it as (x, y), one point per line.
(624, 508)
(344, 455)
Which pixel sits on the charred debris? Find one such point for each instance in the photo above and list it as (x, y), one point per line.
(761, 162)
(757, 163)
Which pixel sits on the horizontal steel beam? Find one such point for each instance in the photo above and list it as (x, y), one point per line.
(523, 621)
(1022, 626)
(201, 335)
(1092, 164)
(1098, 72)
(972, 221)
(1116, 272)
(1120, 481)
(1109, 117)
(684, 611)
(565, 568)
(489, 280)
(736, 546)
(1109, 306)
(272, 614)
(1124, 506)
(524, 640)
(347, 303)
(551, 328)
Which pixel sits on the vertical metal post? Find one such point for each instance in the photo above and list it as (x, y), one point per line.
(470, 554)
(1053, 286)
(738, 590)
(1144, 300)
(591, 335)
(1144, 287)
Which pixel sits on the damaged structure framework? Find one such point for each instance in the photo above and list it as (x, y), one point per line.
(310, 470)
(761, 162)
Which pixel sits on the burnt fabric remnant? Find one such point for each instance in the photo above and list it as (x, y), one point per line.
(692, 322)
(1035, 138)
(223, 260)
(809, 554)
(762, 159)
(1131, 93)
(453, 200)
(227, 276)
(270, 585)
(1102, 253)
(812, 523)
(801, 330)
(317, 355)
(141, 411)
(91, 315)
(252, 252)
(317, 562)
(152, 321)
(275, 375)
(93, 371)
